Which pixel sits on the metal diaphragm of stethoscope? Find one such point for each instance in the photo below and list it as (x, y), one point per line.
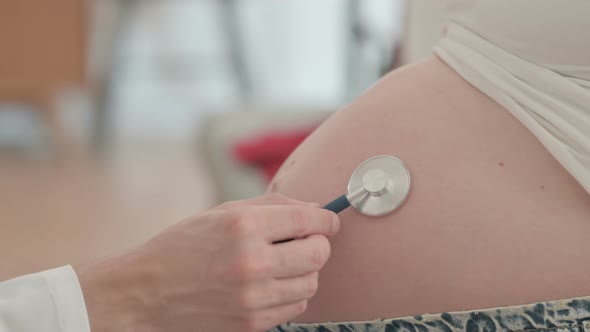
(376, 188)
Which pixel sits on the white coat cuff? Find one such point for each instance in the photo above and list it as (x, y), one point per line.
(66, 293)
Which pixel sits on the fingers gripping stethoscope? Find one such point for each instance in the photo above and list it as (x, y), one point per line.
(376, 188)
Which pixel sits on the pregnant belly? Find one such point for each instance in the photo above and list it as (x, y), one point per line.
(492, 218)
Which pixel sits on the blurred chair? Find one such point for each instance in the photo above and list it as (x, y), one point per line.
(220, 131)
(43, 50)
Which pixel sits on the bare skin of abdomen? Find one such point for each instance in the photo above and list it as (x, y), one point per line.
(492, 218)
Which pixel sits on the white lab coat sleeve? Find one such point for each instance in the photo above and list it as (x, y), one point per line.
(49, 301)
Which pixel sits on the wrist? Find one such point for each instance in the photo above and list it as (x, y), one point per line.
(114, 296)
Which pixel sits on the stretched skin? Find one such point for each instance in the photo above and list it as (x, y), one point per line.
(492, 219)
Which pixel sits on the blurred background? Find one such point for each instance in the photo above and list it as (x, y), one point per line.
(121, 117)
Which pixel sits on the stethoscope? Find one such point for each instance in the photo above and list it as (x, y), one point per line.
(376, 188)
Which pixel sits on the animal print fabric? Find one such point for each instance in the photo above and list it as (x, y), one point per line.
(554, 316)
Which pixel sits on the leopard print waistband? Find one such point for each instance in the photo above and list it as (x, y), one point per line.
(553, 316)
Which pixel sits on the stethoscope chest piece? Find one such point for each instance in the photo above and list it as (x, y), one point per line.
(379, 185)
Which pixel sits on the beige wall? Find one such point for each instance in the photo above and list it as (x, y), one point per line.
(43, 45)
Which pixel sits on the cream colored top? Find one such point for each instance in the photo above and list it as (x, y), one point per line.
(533, 58)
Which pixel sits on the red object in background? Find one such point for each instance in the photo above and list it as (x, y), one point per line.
(267, 152)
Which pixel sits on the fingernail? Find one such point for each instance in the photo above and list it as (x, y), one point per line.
(335, 224)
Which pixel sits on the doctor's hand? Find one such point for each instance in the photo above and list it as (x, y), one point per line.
(219, 271)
